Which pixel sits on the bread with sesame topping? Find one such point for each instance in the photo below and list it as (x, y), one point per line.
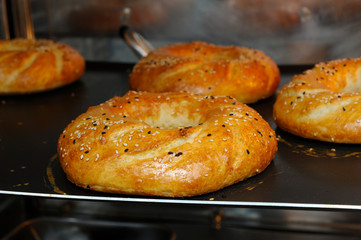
(28, 66)
(197, 67)
(323, 103)
(165, 144)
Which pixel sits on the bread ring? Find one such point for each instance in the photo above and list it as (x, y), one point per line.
(168, 144)
(323, 103)
(28, 66)
(197, 67)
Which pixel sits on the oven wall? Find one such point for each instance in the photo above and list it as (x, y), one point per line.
(291, 32)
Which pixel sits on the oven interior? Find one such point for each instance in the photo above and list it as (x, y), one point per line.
(297, 34)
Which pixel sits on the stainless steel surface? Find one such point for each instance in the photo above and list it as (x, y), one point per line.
(304, 174)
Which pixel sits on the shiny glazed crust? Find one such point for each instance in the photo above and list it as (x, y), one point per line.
(323, 103)
(36, 65)
(197, 67)
(167, 144)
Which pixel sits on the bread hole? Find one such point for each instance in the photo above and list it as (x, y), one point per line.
(175, 115)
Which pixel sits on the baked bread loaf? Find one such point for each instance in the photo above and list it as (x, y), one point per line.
(168, 144)
(197, 67)
(28, 66)
(323, 103)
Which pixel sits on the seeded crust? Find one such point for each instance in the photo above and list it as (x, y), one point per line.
(168, 144)
(197, 67)
(323, 103)
(28, 66)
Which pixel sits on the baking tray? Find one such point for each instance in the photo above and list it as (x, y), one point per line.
(303, 174)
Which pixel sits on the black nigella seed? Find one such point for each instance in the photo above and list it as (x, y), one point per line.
(114, 105)
(149, 132)
(234, 103)
(178, 154)
(103, 132)
(74, 141)
(208, 135)
(87, 118)
(126, 150)
(223, 125)
(106, 127)
(231, 114)
(103, 114)
(64, 136)
(88, 186)
(344, 109)
(124, 116)
(247, 114)
(128, 102)
(86, 152)
(256, 119)
(170, 153)
(247, 151)
(107, 119)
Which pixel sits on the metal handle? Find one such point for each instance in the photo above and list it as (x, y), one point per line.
(135, 41)
(139, 45)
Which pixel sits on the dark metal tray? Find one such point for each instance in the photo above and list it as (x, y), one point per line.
(304, 173)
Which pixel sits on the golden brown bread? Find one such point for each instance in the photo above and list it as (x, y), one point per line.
(168, 144)
(28, 66)
(323, 103)
(197, 67)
